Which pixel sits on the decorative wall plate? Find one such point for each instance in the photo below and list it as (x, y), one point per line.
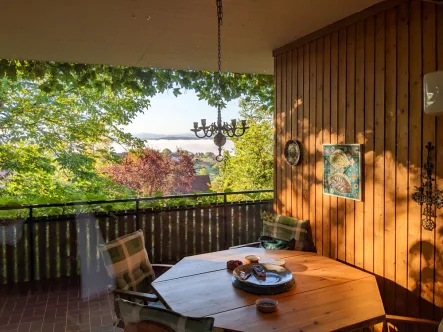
(292, 152)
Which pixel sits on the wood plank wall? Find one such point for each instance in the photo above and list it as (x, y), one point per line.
(362, 83)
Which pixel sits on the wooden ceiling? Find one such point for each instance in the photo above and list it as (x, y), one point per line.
(179, 34)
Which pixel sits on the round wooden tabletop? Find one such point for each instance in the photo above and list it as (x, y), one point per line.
(328, 296)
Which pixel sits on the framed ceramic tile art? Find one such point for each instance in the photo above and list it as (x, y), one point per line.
(342, 170)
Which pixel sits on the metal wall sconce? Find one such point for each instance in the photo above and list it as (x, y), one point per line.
(433, 93)
(428, 194)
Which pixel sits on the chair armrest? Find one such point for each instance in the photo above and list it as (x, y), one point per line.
(138, 295)
(159, 269)
(252, 244)
(410, 320)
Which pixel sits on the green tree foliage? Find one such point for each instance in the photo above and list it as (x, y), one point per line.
(32, 176)
(252, 164)
(166, 151)
(58, 121)
(143, 82)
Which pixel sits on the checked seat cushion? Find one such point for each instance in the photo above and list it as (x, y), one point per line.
(280, 232)
(127, 262)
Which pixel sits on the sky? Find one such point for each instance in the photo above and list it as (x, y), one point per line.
(175, 115)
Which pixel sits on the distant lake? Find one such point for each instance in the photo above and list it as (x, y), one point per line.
(203, 145)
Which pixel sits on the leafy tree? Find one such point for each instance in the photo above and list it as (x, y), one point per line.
(152, 171)
(252, 164)
(62, 118)
(143, 82)
(34, 177)
(166, 151)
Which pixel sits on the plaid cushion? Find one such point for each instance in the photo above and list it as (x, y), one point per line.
(161, 318)
(127, 262)
(284, 228)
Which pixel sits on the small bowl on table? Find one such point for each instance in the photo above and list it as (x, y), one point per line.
(266, 305)
(252, 259)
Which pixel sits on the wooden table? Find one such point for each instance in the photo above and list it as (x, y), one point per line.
(328, 295)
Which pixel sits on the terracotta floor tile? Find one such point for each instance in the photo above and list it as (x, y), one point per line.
(54, 307)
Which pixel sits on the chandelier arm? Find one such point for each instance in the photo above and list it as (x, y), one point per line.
(198, 136)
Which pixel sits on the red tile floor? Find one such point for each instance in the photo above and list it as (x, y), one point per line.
(54, 306)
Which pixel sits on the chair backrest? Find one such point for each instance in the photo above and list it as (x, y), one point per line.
(127, 262)
(286, 228)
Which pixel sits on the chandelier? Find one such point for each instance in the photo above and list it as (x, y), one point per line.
(219, 129)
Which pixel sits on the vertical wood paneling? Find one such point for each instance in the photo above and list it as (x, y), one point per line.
(341, 230)
(379, 132)
(334, 137)
(369, 146)
(206, 224)
(276, 145)
(428, 238)
(318, 147)
(350, 138)
(306, 132)
(288, 130)
(157, 237)
(174, 239)
(243, 223)
(359, 133)
(300, 128)
(401, 190)
(326, 140)
(278, 132)
(228, 220)
(251, 224)
(390, 152)
(439, 167)
(284, 115)
(363, 84)
(294, 130)
(181, 234)
(312, 134)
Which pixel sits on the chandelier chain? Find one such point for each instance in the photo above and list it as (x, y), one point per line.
(220, 22)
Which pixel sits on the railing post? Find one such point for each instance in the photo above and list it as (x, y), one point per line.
(31, 246)
(137, 220)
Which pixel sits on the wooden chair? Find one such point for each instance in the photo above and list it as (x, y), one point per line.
(128, 266)
(146, 298)
(418, 321)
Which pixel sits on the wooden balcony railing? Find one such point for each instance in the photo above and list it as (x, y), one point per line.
(50, 245)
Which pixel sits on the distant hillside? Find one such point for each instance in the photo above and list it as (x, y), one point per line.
(151, 136)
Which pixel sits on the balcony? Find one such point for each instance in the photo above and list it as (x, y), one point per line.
(52, 274)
